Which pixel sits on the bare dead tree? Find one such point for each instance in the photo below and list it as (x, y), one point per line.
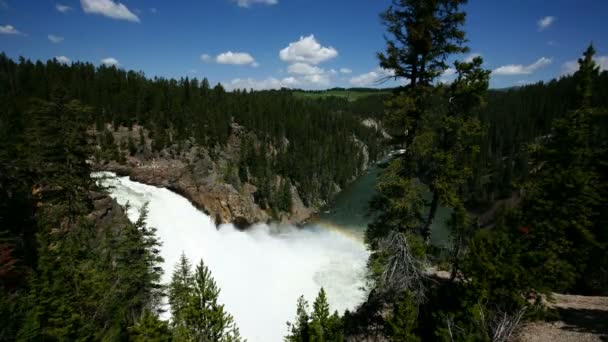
(402, 270)
(503, 325)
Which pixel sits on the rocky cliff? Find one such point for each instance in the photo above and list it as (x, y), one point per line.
(207, 177)
(200, 175)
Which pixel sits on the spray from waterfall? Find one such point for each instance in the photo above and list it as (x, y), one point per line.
(261, 272)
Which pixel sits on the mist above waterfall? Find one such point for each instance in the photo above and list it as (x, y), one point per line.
(261, 272)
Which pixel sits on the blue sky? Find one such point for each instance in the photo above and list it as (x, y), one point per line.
(295, 43)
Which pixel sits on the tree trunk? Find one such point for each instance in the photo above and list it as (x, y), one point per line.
(426, 232)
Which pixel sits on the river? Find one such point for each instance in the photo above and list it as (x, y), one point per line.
(349, 210)
(262, 272)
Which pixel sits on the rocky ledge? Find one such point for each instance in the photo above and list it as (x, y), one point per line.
(204, 190)
(192, 173)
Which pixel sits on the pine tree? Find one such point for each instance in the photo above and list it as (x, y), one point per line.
(423, 34)
(565, 198)
(402, 322)
(197, 315)
(318, 326)
(150, 328)
(299, 330)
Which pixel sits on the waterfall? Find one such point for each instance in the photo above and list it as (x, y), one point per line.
(261, 272)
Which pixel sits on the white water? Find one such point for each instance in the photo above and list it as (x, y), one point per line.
(262, 272)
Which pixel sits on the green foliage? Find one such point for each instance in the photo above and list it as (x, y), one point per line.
(150, 328)
(402, 321)
(352, 95)
(317, 326)
(64, 275)
(284, 200)
(422, 35)
(495, 269)
(197, 315)
(90, 283)
(565, 198)
(309, 141)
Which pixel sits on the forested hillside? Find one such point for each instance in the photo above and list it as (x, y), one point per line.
(314, 144)
(517, 117)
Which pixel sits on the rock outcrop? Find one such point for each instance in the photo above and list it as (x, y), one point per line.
(191, 172)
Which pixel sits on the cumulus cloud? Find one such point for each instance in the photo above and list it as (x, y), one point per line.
(235, 58)
(449, 75)
(8, 29)
(307, 50)
(268, 83)
(311, 75)
(63, 8)
(108, 8)
(371, 78)
(571, 67)
(110, 61)
(248, 3)
(55, 39)
(346, 71)
(206, 58)
(519, 69)
(63, 59)
(318, 80)
(545, 23)
(304, 69)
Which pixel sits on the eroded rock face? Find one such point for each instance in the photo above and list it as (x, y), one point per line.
(192, 173)
(106, 213)
(199, 175)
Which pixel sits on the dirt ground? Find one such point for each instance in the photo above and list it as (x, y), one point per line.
(582, 319)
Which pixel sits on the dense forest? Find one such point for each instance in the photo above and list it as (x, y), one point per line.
(316, 144)
(72, 267)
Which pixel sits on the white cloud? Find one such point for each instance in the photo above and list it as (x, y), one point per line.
(311, 75)
(248, 3)
(545, 23)
(63, 8)
(602, 61)
(108, 8)
(307, 50)
(448, 76)
(63, 59)
(55, 39)
(346, 71)
(365, 79)
(9, 29)
(153, 10)
(318, 80)
(519, 69)
(110, 61)
(268, 83)
(571, 67)
(304, 69)
(471, 57)
(205, 58)
(371, 78)
(236, 58)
